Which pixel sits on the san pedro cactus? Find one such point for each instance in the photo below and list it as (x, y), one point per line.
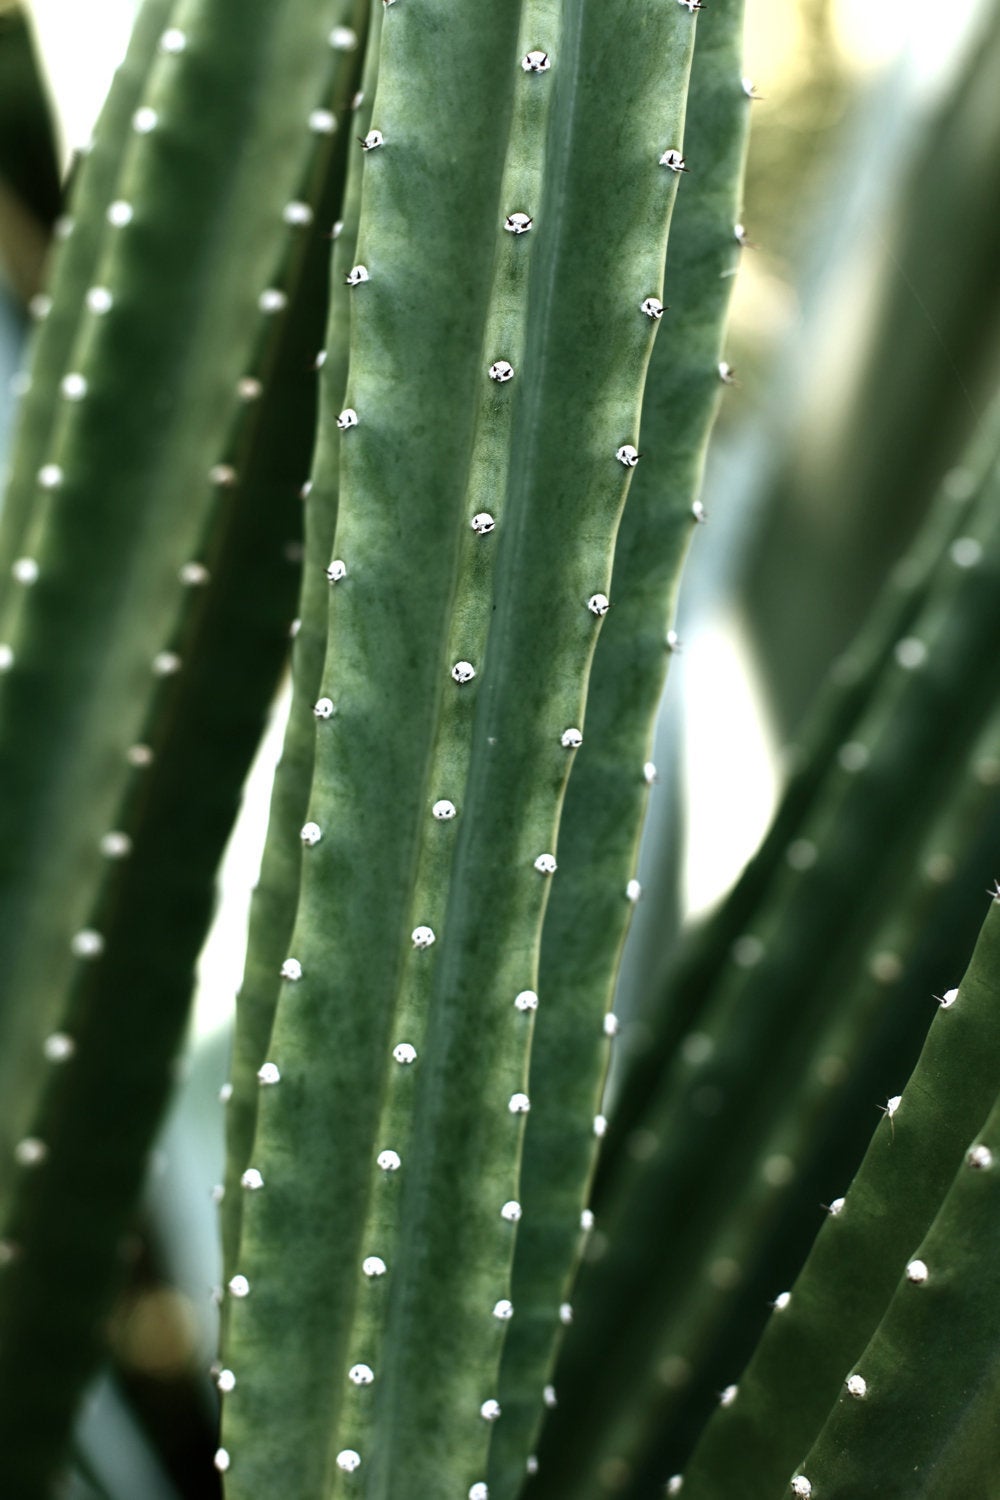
(418, 311)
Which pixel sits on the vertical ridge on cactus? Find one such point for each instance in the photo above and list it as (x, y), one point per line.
(605, 801)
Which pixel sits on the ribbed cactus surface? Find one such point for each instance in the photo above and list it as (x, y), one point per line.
(504, 303)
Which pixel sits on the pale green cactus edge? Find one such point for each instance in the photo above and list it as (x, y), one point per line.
(406, 1013)
(276, 892)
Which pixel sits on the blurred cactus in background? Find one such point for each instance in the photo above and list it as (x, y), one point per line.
(368, 406)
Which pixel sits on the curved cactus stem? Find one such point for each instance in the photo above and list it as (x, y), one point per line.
(61, 308)
(724, 1237)
(866, 1243)
(587, 916)
(916, 1418)
(272, 911)
(152, 838)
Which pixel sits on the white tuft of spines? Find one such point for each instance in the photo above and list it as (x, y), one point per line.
(728, 1396)
(222, 1460)
(404, 1053)
(501, 371)
(479, 1491)
(324, 708)
(627, 455)
(373, 140)
(801, 1486)
(348, 418)
(389, 1161)
(25, 571)
(373, 1265)
(58, 1047)
(50, 476)
(422, 937)
(73, 387)
(836, 1207)
(322, 122)
(145, 120)
(225, 1382)
(519, 1104)
(361, 1374)
(482, 523)
(549, 1397)
(598, 604)
(272, 300)
(587, 1220)
(357, 276)
(673, 160)
(337, 571)
(526, 1000)
(674, 1484)
(781, 1301)
(633, 891)
(536, 61)
(566, 1313)
(6, 657)
(291, 970)
(511, 1211)
(310, 834)
(600, 1126)
(30, 1152)
(99, 300)
(490, 1410)
(249, 388)
(917, 1272)
(947, 1000)
(571, 739)
(610, 1024)
(545, 864)
(166, 663)
(518, 223)
(296, 213)
(348, 1459)
(343, 39)
(120, 213)
(239, 1286)
(173, 40)
(443, 810)
(87, 944)
(649, 774)
(193, 574)
(652, 307)
(856, 1386)
(980, 1157)
(252, 1180)
(268, 1073)
(463, 671)
(503, 1310)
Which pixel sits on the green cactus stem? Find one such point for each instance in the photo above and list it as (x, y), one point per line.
(149, 862)
(589, 910)
(445, 626)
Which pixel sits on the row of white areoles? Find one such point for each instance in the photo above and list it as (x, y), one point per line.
(88, 943)
(423, 936)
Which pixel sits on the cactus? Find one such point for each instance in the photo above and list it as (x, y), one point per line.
(431, 299)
